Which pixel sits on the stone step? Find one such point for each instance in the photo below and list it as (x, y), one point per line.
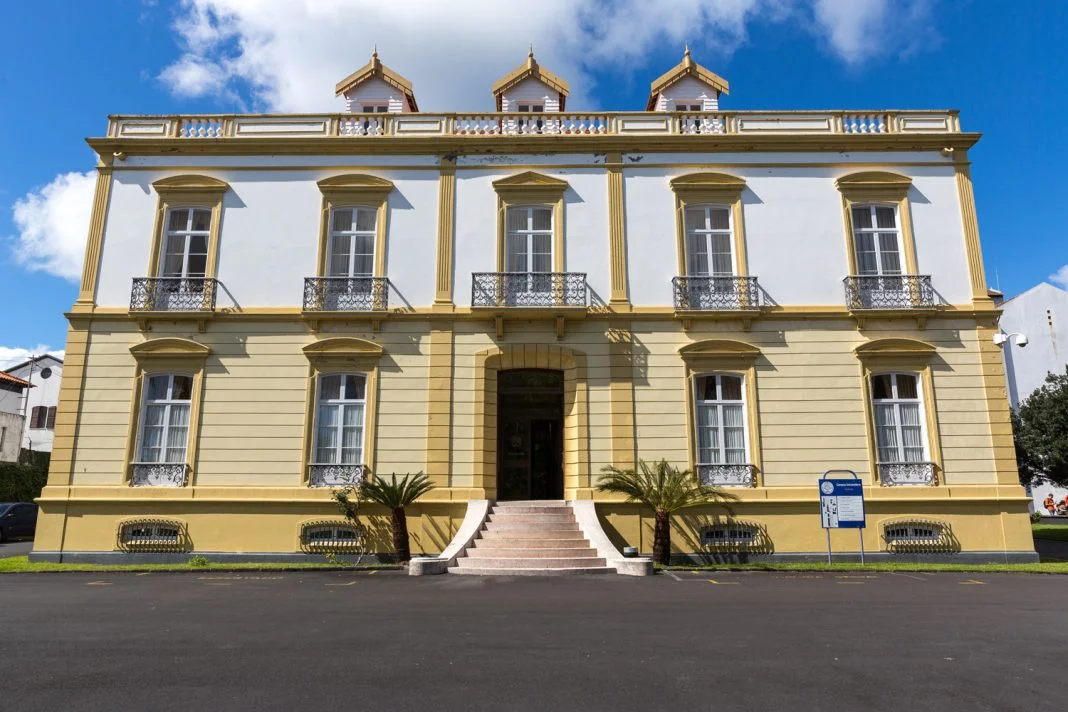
(531, 553)
(498, 533)
(472, 571)
(532, 527)
(515, 543)
(533, 503)
(509, 518)
(526, 563)
(523, 509)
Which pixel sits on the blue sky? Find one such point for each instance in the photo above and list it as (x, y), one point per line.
(70, 63)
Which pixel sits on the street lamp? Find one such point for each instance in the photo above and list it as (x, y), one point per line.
(1000, 339)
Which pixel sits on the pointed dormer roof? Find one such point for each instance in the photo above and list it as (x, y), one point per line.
(376, 70)
(527, 70)
(687, 67)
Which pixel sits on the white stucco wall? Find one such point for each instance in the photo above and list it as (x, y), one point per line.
(1042, 314)
(686, 90)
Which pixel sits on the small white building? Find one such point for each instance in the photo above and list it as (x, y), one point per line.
(40, 400)
(1040, 313)
(12, 392)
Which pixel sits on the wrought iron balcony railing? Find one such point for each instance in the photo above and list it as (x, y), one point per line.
(716, 293)
(325, 475)
(158, 474)
(173, 294)
(529, 289)
(346, 294)
(893, 474)
(727, 475)
(898, 291)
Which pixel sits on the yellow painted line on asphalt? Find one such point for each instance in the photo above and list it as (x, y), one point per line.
(852, 576)
(145, 573)
(850, 583)
(971, 582)
(371, 573)
(350, 583)
(723, 583)
(98, 583)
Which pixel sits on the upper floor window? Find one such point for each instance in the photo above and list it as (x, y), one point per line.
(687, 105)
(43, 417)
(185, 243)
(352, 242)
(720, 410)
(377, 108)
(898, 411)
(877, 239)
(709, 251)
(529, 239)
(164, 431)
(339, 419)
(530, 108)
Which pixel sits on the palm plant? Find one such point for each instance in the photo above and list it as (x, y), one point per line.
(396, 495)
(664, 489)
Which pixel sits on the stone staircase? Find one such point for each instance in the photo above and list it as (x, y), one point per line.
(538, 538)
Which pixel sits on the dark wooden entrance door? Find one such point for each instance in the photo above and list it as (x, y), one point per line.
(530, 420)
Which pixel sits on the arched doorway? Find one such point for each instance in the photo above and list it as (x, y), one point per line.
(530, 443)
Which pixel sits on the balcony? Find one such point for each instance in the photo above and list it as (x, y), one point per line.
(552, 126)
(173, 294)
(895, 474)
(531, 290)
(727, 475)
(336, 475)
(158, 474)
(346, 294)
(716, 293)
(889, 292)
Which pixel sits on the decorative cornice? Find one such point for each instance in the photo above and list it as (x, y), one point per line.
(719, 348)
(190, 183)
(528, 182)
(874, 184)
(343, 347)
(709, 185)
(356, 185)
(895, 348)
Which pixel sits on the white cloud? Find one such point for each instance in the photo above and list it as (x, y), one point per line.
(286, 55)
(1060, 277)
(14, 355)
(52, 224)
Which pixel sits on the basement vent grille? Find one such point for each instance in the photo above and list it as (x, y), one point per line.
(904, 536)
(329, 537)
(152, 535)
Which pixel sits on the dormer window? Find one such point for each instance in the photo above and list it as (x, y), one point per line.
(531, 108)
(376, 89)
(686, 87)
(694, 105)
(375, 108)
(530, 89)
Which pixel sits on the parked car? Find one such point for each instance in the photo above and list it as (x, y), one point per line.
(17, 520)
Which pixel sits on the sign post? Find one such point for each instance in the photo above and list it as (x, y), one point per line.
(842, 506)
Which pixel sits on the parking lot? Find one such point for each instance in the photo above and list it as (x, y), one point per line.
(738, 641)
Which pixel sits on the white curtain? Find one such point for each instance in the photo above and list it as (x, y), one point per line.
(326, 435)
(734, 434)
(177, 431)
(886, 432)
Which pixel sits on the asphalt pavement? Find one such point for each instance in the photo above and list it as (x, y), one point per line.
(15, 548)
(369, 641)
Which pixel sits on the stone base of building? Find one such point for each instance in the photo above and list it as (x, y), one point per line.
(124, 558)
(874, 557)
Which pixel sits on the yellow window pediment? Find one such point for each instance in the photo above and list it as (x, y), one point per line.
(895, 348)
(874, 185)
(170, 348)
(343, 347)
(721, 353)
(190, 183)
(529, 185)
(708, 187)
(356, 186)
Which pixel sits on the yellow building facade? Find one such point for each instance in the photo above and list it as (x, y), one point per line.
(509, 302)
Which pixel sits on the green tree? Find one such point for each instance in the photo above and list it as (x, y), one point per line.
(1040, 432)
(394, 493)
(664, 489)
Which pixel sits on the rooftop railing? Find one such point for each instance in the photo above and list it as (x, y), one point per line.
(371, 126)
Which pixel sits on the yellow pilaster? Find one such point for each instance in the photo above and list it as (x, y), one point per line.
(95, 239)
(439, 406)
(970, 224)
(617, 239)
(621, 391)
(446, 230)
(992, 373)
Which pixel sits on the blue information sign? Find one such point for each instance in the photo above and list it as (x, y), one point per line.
(842, 504)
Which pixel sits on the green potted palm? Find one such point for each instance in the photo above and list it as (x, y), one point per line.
(664, 489)
(396, 494)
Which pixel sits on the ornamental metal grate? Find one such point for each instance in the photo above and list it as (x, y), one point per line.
(179, 294)
(916, 536)
(529, 289)
(727, 475)
(345, 294)
(158, 474)
(714, 293)
(899, 291)
(330, 536)
(335, 475)
(894, 474)
(144, 534)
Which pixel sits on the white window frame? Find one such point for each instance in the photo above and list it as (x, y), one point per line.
(341, 404)
(168, 403)
(699, 402)
(374, 106)
(688, 104)
(875, 231)
(707, 231)
(530, 107)
(529, 232)
(352, 234)
(897, 402)
(188, 233)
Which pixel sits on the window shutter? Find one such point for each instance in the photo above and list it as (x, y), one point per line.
(51, 424)
(37, 417)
